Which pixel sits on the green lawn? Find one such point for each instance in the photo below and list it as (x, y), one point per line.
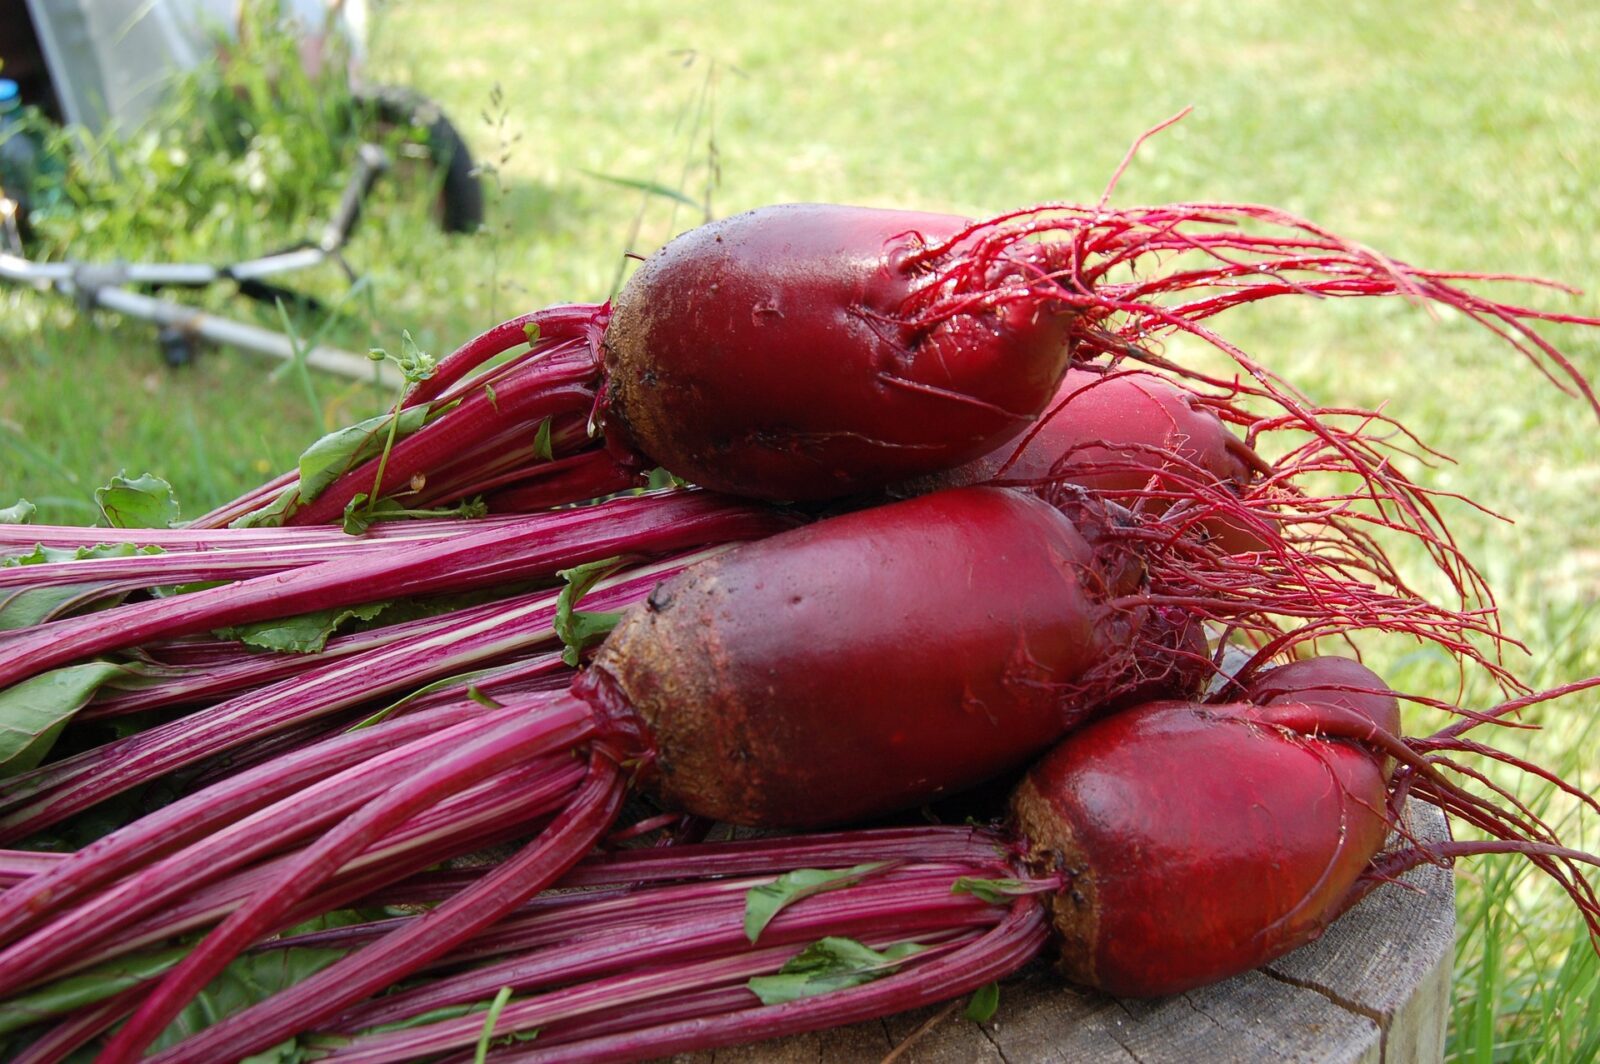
(1462, 136)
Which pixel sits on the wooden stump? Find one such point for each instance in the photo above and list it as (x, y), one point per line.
(1375, 988)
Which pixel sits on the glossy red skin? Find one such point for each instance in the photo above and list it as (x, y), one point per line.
(1202, 846)
(1129, 419)
(756, 355)
(867, 663)
(1329, 681)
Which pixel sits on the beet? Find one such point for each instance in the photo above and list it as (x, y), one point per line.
(775, 353)
(1329, 681)
(1135, 438)
(1196, 842)
(871, 661)
(808, 351)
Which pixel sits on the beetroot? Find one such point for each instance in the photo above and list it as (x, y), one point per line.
(824, 675)
(1135, 438)
(776, 353)
(1120, 433)
(808, 351)
(1197, 842)
(1170, 846)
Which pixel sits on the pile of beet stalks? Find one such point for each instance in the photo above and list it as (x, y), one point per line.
(957, 515)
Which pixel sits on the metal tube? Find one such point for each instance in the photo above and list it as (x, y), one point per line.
(64, 276)
(239, 334)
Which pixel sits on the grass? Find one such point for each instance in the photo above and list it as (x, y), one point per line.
(1458, 135)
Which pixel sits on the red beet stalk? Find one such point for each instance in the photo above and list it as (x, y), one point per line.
(634, 525)
(479, 636)
(1104, 833)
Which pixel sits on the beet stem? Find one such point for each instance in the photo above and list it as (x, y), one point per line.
(181, 822)
(455, 768)
(999, 952)
(54, 791)
(369, 970)
(641, 524)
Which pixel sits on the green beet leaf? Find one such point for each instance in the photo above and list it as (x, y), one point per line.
(28, 606)
(25, 607)
(579, 630)
(252, 979)
(144, 502)
(344, 449)
(20, 513)
(335, 454)
(993, 891)
(827, 965)
(541, 442)
(762, 903)
(983, 1004)
(33, 712)
(272, 514)
(307, 633)
(659, 478)
(86, 988)
(42, 555)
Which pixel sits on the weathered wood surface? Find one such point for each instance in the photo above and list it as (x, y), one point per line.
(1375, 988)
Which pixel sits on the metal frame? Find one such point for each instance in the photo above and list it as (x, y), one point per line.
(111, 285)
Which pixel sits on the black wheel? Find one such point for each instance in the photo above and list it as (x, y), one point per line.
(178, 348)
(459, 208)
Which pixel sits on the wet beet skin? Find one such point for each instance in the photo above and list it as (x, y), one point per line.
(1200, 844)
(1135, 437)
(1330, 681)
(773, 353)
(867, 663)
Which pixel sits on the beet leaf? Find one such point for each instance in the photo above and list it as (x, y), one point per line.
(827, 965)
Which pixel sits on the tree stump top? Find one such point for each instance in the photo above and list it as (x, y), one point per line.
(1375, 988)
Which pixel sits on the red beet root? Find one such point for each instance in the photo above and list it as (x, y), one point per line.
(777, 353)
(1329, 681)
(1135, 438)
(871, 661)
(808, 350)
(1119, 432)
(1197, 841)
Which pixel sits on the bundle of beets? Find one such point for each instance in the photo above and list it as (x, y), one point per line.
(942, 528)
